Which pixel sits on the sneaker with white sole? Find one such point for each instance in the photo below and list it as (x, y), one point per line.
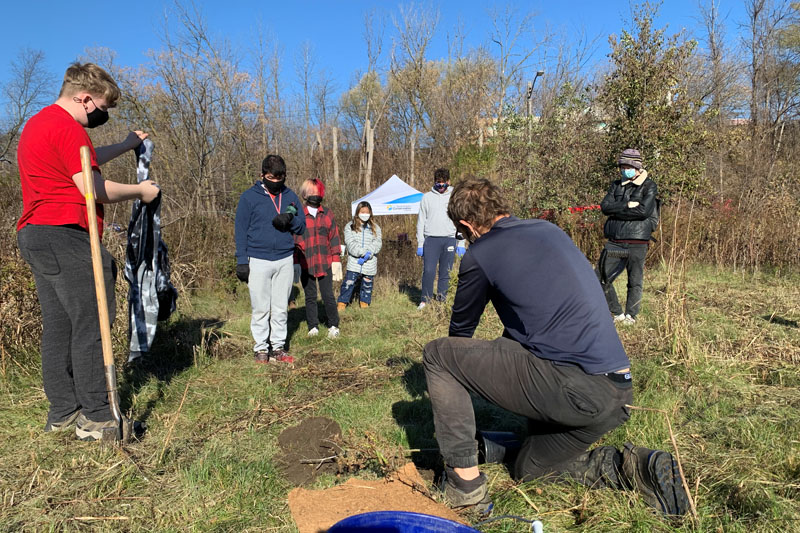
(63, 424)
(279, 355)
(421, 305)
(628, 320)
(619, 318)
(313, 332)
(90, 430)
(333, 332)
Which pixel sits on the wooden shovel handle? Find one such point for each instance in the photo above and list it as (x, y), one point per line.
(97, 259)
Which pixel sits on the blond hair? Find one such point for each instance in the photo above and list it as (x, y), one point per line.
(312, 187)
(92, 79)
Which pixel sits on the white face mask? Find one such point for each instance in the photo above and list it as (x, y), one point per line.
(363, 216)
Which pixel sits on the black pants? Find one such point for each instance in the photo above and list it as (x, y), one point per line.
(326, 290)
(72, 353)
(610, 267)
(568, 410)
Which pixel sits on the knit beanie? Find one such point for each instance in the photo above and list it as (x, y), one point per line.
(630, 157)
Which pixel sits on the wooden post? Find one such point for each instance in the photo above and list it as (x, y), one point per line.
(413, 156)
(335, 156)
(369, 141)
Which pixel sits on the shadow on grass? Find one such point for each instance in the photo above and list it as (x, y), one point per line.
(780, 321)
(412, 292)
(416, 417)
(174, 350)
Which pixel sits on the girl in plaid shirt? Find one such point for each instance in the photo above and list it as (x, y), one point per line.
(319, 250)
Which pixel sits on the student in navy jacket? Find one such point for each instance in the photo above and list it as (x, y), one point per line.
(266, 222)
(559, 361)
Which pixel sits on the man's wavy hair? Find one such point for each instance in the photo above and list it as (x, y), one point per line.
(477, 201)
(92, 79)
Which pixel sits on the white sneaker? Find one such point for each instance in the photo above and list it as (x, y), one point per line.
(313, 332)
(628, 320)
(620, 317)
(421, 305)
(333, 332)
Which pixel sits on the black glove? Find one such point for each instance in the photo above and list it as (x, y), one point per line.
(243, 272)
(283, 221)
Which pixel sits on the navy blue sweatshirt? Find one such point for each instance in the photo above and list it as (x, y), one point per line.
(545, 292)
(255, 235)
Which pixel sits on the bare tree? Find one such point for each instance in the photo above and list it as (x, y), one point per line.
(304, 67)
(27, 90)
(513, 34)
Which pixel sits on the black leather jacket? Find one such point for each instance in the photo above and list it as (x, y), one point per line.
(630, 223)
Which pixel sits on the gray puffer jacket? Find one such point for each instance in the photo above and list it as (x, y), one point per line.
(631, 223)
(358, 243)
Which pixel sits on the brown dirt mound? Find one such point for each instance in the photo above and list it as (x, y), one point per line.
(309, 449)
(314, 511)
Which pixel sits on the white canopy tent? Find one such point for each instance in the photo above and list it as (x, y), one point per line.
(394, 197)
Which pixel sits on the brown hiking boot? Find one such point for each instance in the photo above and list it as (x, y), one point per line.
(340, 306)
(363, 305)
(655, 475)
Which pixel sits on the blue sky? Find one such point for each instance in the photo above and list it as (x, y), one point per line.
(64, 30)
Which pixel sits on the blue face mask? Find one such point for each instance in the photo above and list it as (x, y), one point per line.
(628, 173)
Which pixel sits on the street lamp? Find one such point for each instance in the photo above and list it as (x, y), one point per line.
(531, 85)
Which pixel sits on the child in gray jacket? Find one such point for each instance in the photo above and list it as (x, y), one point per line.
(362, 237)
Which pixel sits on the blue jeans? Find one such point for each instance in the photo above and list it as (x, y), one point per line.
(441, 251)
(349, 283)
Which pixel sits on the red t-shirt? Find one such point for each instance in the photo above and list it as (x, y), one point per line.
(48, 156)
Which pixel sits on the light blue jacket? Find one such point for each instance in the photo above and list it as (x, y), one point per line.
(358, 243)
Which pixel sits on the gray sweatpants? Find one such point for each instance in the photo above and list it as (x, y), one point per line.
(270, 285)
(72, 353)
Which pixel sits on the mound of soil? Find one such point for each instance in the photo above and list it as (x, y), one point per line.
(309, 449)
(314, 511)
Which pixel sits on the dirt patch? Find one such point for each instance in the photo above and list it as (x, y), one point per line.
(314, 511)
(309, 449)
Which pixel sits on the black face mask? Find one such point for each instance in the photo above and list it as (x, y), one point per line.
(274, 187)
(314, 201)
(98, 117)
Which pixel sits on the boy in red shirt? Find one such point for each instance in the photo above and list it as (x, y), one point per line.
(53, 237)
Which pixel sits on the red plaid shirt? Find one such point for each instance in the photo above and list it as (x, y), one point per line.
(319, 246)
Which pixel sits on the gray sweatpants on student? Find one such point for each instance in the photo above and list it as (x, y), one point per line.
(270, 285)
(72, 352)
(567, 409)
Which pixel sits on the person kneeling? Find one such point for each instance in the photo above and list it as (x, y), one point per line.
(559, 362)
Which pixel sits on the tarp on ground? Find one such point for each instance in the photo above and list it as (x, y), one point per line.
(394, 197)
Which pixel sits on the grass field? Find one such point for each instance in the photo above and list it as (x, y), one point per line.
(721, 357)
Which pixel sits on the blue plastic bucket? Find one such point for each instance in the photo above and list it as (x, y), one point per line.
(398, 522)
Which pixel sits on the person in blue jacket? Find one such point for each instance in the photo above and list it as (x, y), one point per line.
(266, 222)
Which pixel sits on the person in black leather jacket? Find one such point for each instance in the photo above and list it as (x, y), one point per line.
(632, 212)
